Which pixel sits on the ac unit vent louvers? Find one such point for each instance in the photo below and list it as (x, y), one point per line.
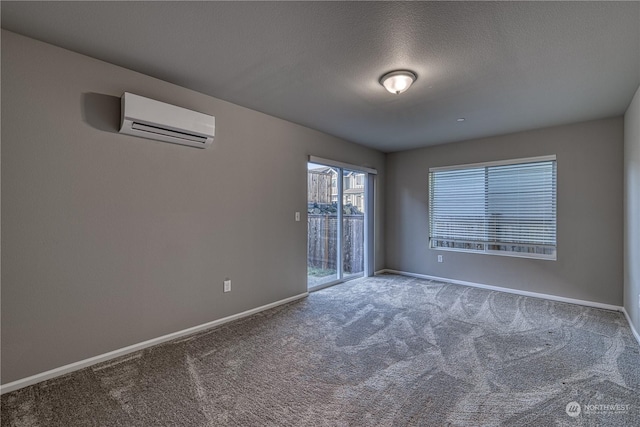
(168, 132)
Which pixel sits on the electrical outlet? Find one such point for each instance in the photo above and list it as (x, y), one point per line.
(439, 258)
(227, 285)
(297, 216)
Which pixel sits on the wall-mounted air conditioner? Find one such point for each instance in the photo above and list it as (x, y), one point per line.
(148, 118)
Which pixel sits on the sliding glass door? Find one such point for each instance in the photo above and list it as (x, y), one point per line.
(353, 223)
(337, 224)
(322, 225)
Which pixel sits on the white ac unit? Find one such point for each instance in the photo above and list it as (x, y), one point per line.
(148, 118)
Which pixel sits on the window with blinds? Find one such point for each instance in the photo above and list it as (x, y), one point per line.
(505, 208)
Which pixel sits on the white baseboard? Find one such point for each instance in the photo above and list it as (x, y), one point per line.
(18, 384)
(633, 329)
(509, 290)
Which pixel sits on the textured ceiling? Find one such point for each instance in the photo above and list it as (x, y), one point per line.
(504, 66)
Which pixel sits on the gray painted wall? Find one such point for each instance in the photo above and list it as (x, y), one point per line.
(589, 265)
(632, 210)
(109, 240)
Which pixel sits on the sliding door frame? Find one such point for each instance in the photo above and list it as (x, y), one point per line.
(369, 218)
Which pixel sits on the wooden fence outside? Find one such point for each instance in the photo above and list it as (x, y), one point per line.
(322, 242)
(319, 186)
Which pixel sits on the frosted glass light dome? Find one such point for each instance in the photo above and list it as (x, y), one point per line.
(398, 81)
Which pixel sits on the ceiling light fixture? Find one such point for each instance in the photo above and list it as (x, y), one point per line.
(461, 119)
(398, 81)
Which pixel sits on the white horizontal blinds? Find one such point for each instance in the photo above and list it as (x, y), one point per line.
(521, 204)
(502, 208)
(457, 205)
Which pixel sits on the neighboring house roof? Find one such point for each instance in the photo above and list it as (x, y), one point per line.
(354, 191)
(326, 170)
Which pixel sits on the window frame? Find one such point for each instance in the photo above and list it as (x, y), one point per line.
(485, 251)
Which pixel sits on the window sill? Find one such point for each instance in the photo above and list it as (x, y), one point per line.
(501, 253)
